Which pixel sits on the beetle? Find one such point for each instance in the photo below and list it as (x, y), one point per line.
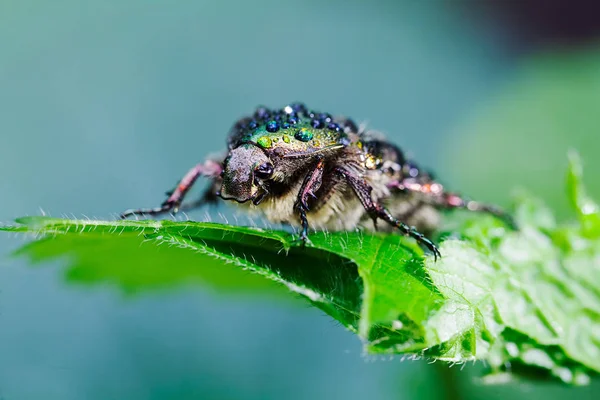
(307, 168)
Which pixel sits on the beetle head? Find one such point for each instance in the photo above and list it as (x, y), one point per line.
(247, 169)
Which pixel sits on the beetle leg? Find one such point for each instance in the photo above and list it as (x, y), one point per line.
(211, 169)
(312, 183)
(435, 194)
(453, 200)
(377, 211)
(210, 196)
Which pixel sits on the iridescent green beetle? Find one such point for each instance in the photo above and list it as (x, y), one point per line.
(296, 166)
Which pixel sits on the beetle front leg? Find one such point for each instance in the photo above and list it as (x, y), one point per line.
(312, 183)
(209, 196)
(377, 211)
(211, 169)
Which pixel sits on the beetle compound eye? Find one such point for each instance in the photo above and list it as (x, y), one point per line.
(264, 171)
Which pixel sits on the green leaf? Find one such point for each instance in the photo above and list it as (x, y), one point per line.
(587, 210)
(526, 302)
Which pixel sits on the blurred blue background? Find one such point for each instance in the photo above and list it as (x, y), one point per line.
(104, 104)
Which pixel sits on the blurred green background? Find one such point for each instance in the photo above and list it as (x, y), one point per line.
(104, 104)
